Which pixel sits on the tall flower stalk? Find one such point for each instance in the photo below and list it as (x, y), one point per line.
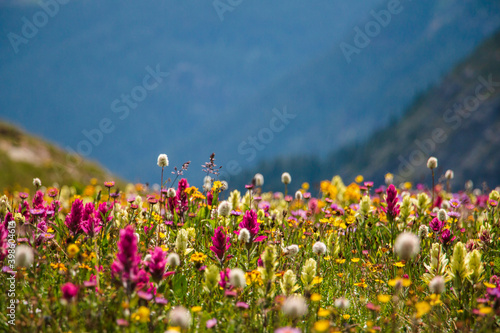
(220, 244)
(392, 209)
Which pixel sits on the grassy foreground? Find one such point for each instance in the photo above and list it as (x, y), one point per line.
(336, 258)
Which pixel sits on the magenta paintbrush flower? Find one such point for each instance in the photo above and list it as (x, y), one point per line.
(182, 198)
(250, 223)
(74, 218)
(69, 291)
(4, 245)
(90, 224)
(126, 265)
(103, 212)
(391, 199)
(435, 224)
(224, 278)
(220, 243)
(447, 237)
(157, 264)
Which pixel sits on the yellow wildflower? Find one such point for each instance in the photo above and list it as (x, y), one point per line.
(383, 298)
(323, 312)
(422, 309)
(321, 325)
(198, 257)
(141, 315)
(73, 250)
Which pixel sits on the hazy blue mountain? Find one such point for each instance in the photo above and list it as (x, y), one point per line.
(457, 120)
(224, 77)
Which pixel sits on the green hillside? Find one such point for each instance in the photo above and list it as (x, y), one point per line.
(24, 157)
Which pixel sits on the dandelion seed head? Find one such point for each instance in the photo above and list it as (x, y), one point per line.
(162, 160)
(437, 285)
(319, 248)
(298, 195)
(286, 178)
(342, 303)
(173, 259)
(258, 179)
(224, 208)
(244, 235)
(24, 256)
(37, 182)
(432, 163)
(295, 306)
(291, 250)
(180, 316)
(407, 245)
(237, 278)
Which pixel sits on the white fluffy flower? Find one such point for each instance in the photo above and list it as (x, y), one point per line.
(173, 259)
(432, 163)
(437, 285)
(441, 215)
(258, 179)
(286, 178)
(449, 174)
(294, 306)
(291, 250)
(37, 182)
(319, 248)
(237, 278)
(180, 316)
(162, 160)
(244, 235)
(407, 245)
(224, 208)
(24, 256)
(171, 193)
(423, 231)
(225, 185)
(298, 195)
(342, 303)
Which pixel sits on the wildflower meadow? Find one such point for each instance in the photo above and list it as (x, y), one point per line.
(329, 257)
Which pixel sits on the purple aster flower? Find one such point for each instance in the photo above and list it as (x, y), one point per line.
(220, 243)
(157, 264)
(455, 204)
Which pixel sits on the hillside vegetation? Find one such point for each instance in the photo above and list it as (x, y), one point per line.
(23, 157)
